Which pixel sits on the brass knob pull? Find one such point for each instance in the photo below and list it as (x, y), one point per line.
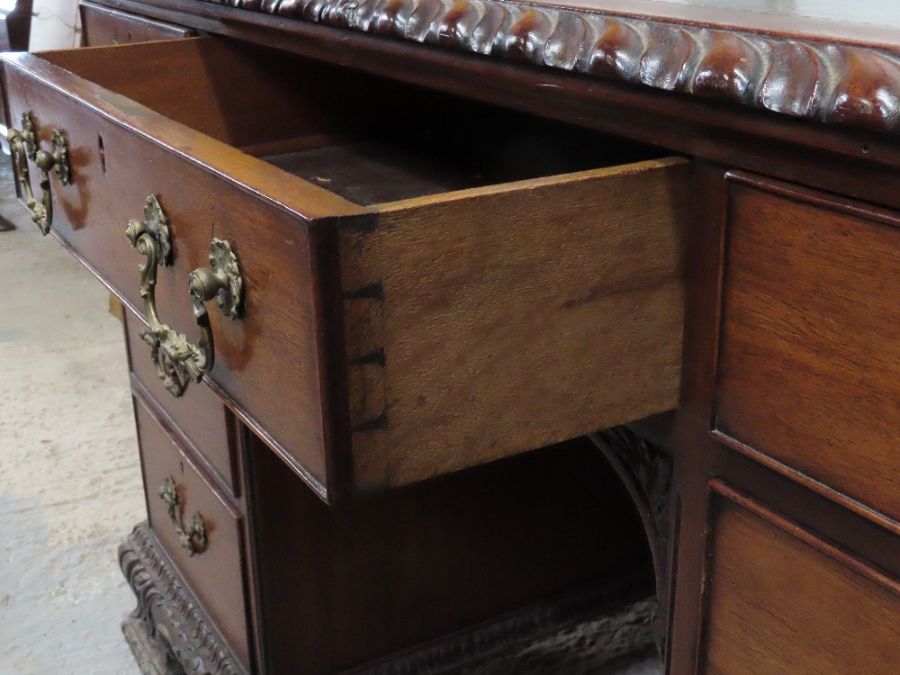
(178, 360)
(23, 145)
(191, 537)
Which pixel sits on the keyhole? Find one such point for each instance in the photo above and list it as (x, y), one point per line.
(102, 153)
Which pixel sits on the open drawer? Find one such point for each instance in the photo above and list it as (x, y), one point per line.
(427, 283)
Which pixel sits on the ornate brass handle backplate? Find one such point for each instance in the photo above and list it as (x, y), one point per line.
(191, 537)
(23, 146)
(178, 360)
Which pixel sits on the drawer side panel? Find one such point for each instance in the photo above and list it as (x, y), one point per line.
(521, 315)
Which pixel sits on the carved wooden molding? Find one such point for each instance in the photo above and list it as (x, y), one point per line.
(168, 632)
(836, 84)
(649, 467)
(647, 473)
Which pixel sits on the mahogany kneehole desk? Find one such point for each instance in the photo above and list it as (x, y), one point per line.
(375, 257)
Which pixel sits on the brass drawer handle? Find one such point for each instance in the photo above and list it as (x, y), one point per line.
(178, 360)
(23, 145)
(193, 537)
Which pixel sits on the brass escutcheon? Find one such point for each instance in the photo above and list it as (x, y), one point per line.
(193, 537)
(178, 360)
(23, 146)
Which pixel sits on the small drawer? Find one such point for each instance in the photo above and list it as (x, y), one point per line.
(782, 600)
(427, 283)
(199, 414)
(106, 26)
(213, 567)
(809, 356)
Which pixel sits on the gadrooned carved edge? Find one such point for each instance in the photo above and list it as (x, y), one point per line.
(647, 473)
(837, 84)
(182, 640)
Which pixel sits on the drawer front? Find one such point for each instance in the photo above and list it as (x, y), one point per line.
(781, 600)
(809, 359)
(214, 572)
(105, 26)
(199, 414)
(121, 153)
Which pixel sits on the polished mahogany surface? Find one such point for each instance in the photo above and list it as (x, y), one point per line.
(811, 286)
(783, 600)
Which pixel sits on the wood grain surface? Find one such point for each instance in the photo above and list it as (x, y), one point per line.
(192, 82)
(781, 600)
(200, 414)
(105, 26)
(214, 575)
(346, 585)
(521, 315)
(207, 188)
(834, 518)
(809, 366)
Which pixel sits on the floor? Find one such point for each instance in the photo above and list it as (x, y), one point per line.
(70, 486)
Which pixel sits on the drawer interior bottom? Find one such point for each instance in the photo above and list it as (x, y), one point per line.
(483, 147)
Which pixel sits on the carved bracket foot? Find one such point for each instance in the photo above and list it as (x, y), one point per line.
(168, 632)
